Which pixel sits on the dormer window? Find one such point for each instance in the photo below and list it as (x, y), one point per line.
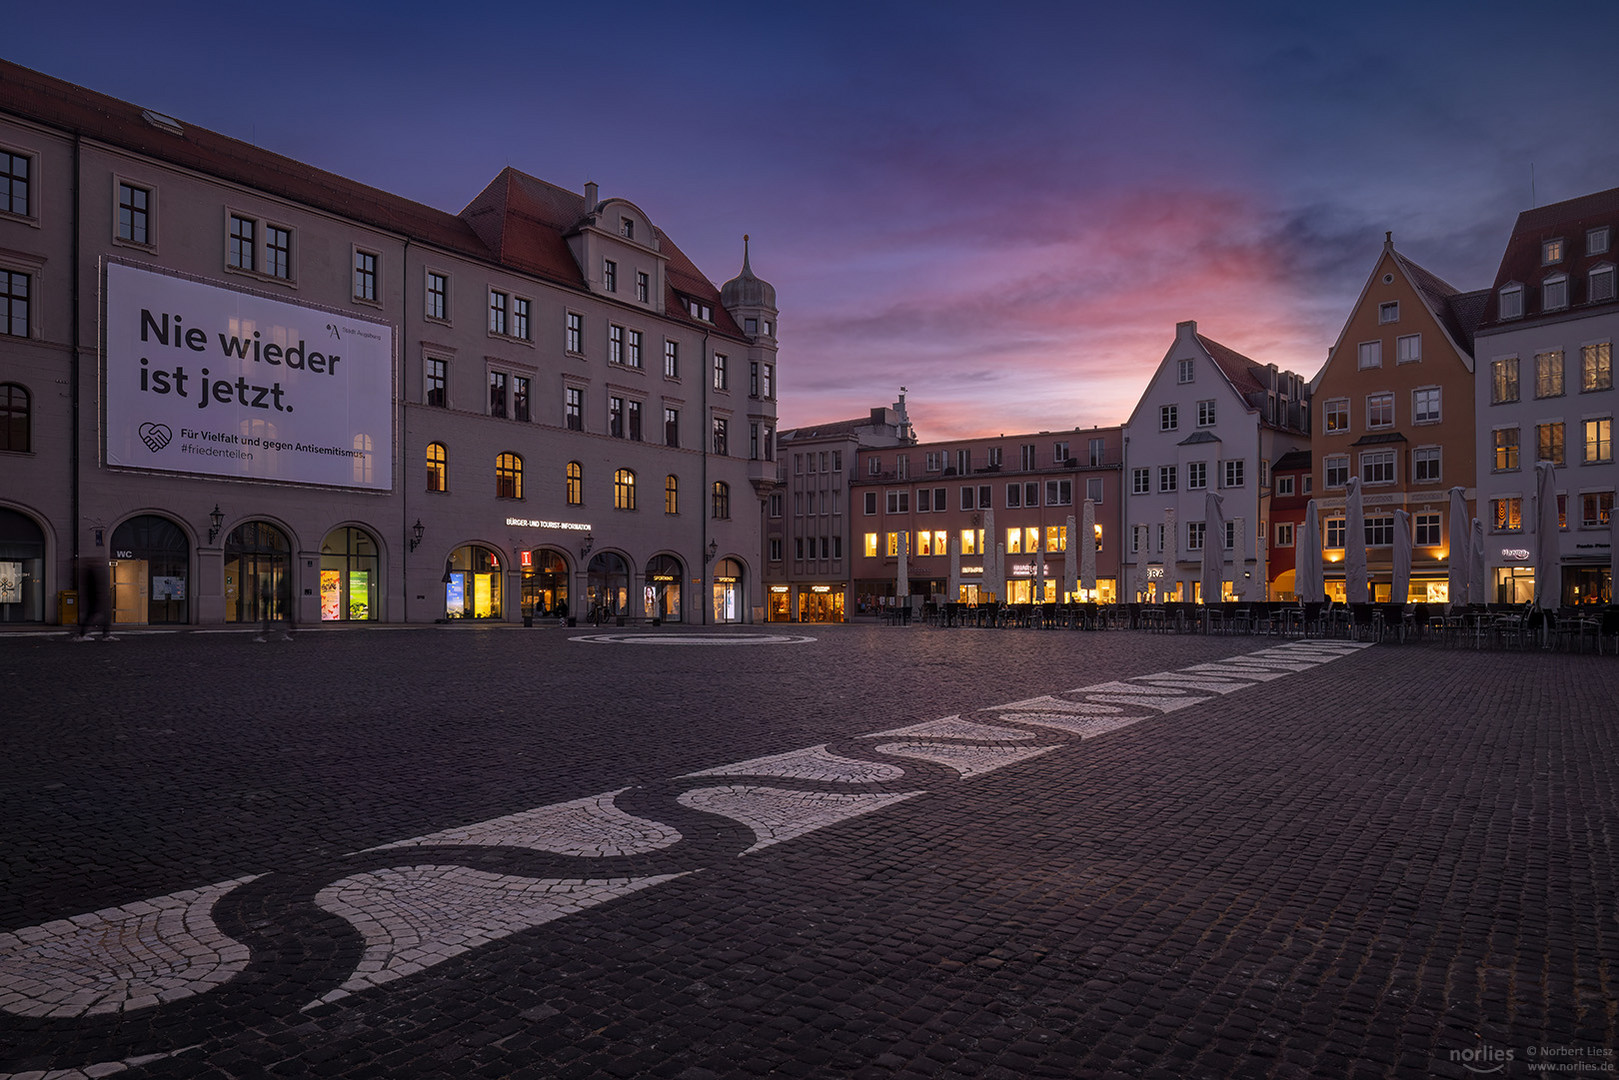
(699, 310)
(1554, 293)
(1388, 312)
(1511, 305)
(1597, 241)
(1551, 252)
(752, 326)
(1599, 285)
(626, 228)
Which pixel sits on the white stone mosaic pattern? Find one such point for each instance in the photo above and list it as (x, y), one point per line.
(413, 917)
(1086, 726)
(954, 727)
(1208, 684)
(120, 959)
(92, 1072)
(1049, 703)
(592, 827)
(777, 814)
(815, 763)
(969, 761)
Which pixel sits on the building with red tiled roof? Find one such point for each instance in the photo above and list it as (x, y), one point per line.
(1210, 422)
(1544, 392)
(234, 382)
(1395, 408)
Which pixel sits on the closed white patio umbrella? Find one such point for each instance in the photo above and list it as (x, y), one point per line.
(1548, 572)
(1354, 544)
(954, 593)
(1085, 578)
(1477, 588)
(1461, 541)
(902, 574)
(1402, 557)
(1309, 579)
(1169, 551)
(1213, 547)
(1239, 560)
(990, 584)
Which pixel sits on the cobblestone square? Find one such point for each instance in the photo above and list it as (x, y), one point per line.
(826, 851)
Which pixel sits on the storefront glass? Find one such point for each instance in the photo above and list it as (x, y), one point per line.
(728, 596)
(349, 575)
(820, 603)
(545, 585)
(779, 605)
(22, 569)
(150, 571)
(1513, 585)
(257, 573)
(472, 585)
(663, 577)
(607, 586)
(1587, 585)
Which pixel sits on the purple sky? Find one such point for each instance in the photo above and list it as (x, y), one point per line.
(1005, 213)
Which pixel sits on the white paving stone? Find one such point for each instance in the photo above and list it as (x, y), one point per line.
(1085, 726)
(814, 763)
(777, 814)
(120, 958)
(967, 760)
(954, 727)
(1050, 703)
(413, 917)
(590, 827)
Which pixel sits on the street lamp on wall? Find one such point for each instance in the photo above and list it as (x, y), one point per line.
(416, 531)
(216, 521)
(713, 550)
(590, 542)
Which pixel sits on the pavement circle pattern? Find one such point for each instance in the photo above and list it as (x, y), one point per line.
(414, 903)
(693, 639)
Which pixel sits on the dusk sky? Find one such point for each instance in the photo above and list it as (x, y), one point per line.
(1005, 209)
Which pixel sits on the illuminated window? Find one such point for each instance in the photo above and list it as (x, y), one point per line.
(1596, 367)
(575, 484)
(437, 467)
(1506, 449)
(1507, 514)
(1503, 380)
(1596, 508)
(871, 545)
(1549, 442)
(508, 477)
(1335, 414)
(1549, 374)
(671, 495)
(624, 490)
(1599, 440)
(1551, 251)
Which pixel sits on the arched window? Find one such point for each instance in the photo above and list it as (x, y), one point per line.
(508, 477)
(438, 467)
(624, 489)
(576, 484)
(362, 459)
(14, 417)
(671, 494)
(722, 499)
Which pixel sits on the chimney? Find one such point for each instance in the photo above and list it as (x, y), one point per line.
(591, 197)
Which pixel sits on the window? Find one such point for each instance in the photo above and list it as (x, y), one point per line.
(1551, 251)
(1549, 442)
(700, 310)
(438, 382)
(1388, 311)
(1425, 465)
(964, 461)
(134, 212)
(438, 290)
(632, 416)
(775, 549)
(365, 276)
(437, 467)
(899, 502)
(775, 504)
(615, 416)
(983, 496)
(643, 286)
(1284, 534)
(632, 356)
(1380, 531)
(1596, 241)
(1140, 483)
(871, 501)
(1284, 485)
(871, 545)
(1168, 417)
(1427, 529)
(992, 457)
(753, 441)
(1031, 493)
(1059, 493)
(1335, 533)
(520, 398)
(15, 418)
(874, 466)
(1187, 371)
(573, 408)
(1503, 380)
(1507, 514)
(1511, 302)
(1205, 414)
(278, 252)
(671, 427)
(497, 393)
(1599, 440)
(1379, 410)
(1377, 467)
(1059, 453)
(924, 500)
(1098, 449)
(767, 379)
(1028, 457)
(615, 344)
(722, 378)
(623, 489)
(721, 432)
(243, 250)
(1195, 531)
(1425, 405)
(497, 312)
(1336, 469)
(15, 175)
(575, 336)
(1234, 473)
(1599, 283)
(1549, 374)
(1335, 415)
(575, 481)
(934, 459)
(1370, 354)
(722, 499)
(520, 318)
(610, 275)
(1506, 449)
(967, 498)
(1408, 348)
(1093, 490)
(1014, 495)
(1197, 475)
(1056, 538)
(1596, 367)
(1166, 477)
(1596, 508)
(671, 360)
(508, 477)
(1554, 293)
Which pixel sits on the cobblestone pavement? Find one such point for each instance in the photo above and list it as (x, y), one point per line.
(842, 852)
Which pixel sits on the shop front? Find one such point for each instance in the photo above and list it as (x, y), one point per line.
(22, 569)
(472, 584)
(545, 583)
(727, 593)
(258, 573)
(820, 603)
(662, 588)
(151, 570)
(607, 586)
(779, 604)
(350, 574)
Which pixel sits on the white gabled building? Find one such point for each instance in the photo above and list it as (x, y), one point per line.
(1210, 419)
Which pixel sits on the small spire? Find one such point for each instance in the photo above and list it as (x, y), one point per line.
(746, 269)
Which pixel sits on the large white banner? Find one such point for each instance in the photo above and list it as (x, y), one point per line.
(201, 379)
